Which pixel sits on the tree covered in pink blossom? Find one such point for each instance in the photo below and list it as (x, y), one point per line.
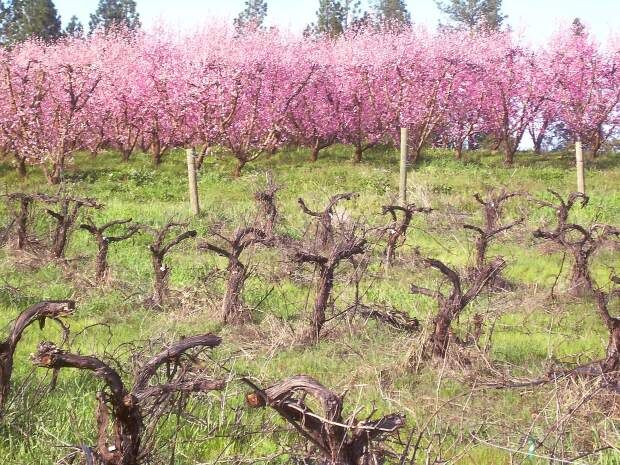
(586, 89)
(48, 92)
(253, 91)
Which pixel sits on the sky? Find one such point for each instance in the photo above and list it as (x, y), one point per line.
(535, 20)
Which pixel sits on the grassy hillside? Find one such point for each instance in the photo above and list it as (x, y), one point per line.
(457, 417)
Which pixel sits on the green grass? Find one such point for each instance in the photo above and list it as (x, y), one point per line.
(530, 330)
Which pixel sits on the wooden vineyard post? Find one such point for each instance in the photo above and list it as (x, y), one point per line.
(403, 167)
(193, 182)
(581, 178)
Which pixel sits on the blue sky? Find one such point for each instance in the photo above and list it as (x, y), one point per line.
(535, 19)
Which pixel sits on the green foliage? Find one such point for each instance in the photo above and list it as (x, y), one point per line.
(74, 27)
(24, 19)
(115, 13)
(253, 15)
(334, 17)
(4, 18)
(474, 14)
(392, 12)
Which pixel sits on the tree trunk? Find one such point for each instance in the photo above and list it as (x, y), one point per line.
(238, 168)
(538, 143)
(156, 153)
(416, 154)
(160, 286)
(6, 370)
(390, 249)
(481, 250)
(101, 265)
(597, 143)
(201, 158)
(54, 176)
(60, 240)
(357, 158)
(145, 145)
(314, 156)
(324, 289)
(612, 359)
(125, 154)
(21, 167)
(471, 142)
(580, 277)
(438, 342)
(233, 309)
(509, 153)
(459, 150)
(22, 220)
(539, 138)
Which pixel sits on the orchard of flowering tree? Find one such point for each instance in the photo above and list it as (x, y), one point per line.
(307, 311)
(254, 92)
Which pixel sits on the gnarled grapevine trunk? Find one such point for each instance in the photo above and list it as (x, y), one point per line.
(581, 242)
(21, 216)
(325, 228)
(233, 309)
(397, 231)
(127, 407)
(440, 336)
(104, 241)
(159, 249)
(324, 288)
(493, 207)
(66, 216)
(53, 310)
(326, 261)
(337, 443)
(450, 306)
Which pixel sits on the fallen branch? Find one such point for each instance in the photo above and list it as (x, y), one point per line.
(394, 318)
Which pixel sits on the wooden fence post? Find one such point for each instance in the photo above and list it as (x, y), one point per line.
(403, 166)
(193, 182)
(581, 178)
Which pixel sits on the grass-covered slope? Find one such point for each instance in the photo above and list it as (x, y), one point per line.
(458, 419)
